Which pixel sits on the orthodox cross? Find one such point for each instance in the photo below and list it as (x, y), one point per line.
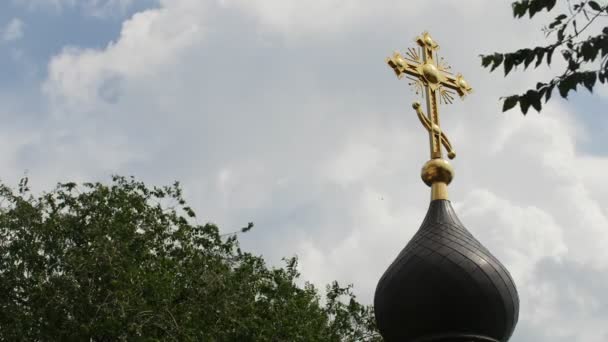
(432, 74)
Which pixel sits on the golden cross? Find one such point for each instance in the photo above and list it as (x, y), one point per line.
(432, 75)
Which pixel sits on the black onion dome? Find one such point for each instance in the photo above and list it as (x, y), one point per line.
(445, 286)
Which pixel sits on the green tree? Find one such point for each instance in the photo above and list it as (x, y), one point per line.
(586, 58)
(126, 262)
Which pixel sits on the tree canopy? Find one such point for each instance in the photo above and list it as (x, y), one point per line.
(97, 262)
(586, 58)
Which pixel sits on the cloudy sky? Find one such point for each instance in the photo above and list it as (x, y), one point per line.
(284, 113)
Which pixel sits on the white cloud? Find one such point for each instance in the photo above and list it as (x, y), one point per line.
(12, 31)
(297, 16)
(150, 40)
(283, 113)
(521, 236)
(326, 18)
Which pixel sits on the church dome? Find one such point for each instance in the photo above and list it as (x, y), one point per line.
(445, 286)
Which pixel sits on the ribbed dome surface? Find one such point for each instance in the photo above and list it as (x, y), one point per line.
(445, 286)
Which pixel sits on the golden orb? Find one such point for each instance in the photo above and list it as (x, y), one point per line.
(437, 170)
(462, 83)
(400, 61)
(430, 72)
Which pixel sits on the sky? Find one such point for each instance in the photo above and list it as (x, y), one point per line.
(284, 113)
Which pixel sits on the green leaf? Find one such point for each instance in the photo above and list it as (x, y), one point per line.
(519, 8)
(524, 105)
(509, 61)
(535, 6)
(548, 92)
(510, 102)
(248, 228)
(557, 21)
(595, 6)
(540, 53)
(497, 59)
(567, 84)
(602, 77)
(533, 97)
(189, 212)
(602, 44)
(486, 60)
(588, 51)
(529, 57)
(573, 65)
(589, 79)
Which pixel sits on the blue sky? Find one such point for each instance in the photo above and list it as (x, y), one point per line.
(283, 112)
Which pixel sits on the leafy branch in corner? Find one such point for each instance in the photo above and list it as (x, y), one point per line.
(580, 54)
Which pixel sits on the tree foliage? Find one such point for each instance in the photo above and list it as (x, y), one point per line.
(129, 263)
(580, 54)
